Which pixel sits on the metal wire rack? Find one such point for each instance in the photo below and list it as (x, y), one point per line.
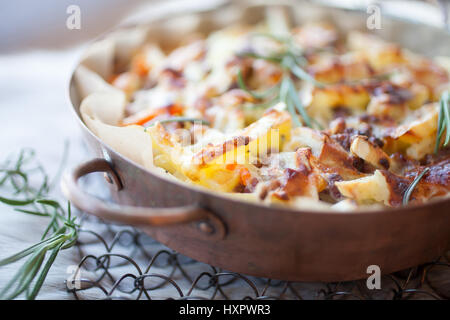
(119, 262)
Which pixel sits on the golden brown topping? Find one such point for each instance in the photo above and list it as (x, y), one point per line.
(346, 68)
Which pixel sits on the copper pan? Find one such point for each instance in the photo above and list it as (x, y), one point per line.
(277, 243)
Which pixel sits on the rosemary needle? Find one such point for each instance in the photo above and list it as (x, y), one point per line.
(61, 232)
(443, 121)
(413, 185)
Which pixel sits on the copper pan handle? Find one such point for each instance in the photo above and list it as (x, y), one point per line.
(137, 216)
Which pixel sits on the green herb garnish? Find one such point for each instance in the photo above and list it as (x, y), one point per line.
(291, 61)
(61, 233)
(413, 185)
(443, 121)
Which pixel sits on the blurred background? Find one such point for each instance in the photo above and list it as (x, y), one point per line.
(26, 24)
(29, 24)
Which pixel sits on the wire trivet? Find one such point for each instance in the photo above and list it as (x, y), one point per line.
(121, 262)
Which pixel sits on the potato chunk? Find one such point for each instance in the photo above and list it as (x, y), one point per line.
(290, 175)
(325, 100)
(345, 68)
(416, 134)
(382, 55)
(363, 148)
(266, 134)
(331, 156)
(388, 188)
(224, 164)
(366, 189)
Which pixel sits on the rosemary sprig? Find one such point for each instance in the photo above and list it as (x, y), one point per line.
(443, 121)
(179, 119)
(16, 177)
(291, 61)
(413, 185)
